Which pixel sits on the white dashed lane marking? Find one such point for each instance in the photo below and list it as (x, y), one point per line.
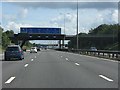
(67, 59)
(10, 80)
(106, 78)
(31, 59)
(26, 65)
(77, 64)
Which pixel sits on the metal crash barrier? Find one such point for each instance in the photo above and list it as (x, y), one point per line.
(99, 53)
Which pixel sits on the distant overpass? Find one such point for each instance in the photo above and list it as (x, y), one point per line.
(26, 36)
(52, 45)
(21, 38)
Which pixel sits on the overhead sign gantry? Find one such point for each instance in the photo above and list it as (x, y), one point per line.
(35, 30)
(38, 33)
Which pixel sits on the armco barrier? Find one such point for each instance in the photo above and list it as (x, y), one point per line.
(99, 53)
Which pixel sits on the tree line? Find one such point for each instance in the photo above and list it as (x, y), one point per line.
(98, 37)
(84, 43)
(5, 40)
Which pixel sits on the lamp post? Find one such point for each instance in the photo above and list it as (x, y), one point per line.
(64, 25)
(77, 29)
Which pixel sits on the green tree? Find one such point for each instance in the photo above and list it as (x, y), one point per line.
(1, 31)
(9, 33)
(28, 45)
(5, 40)
(101, 30)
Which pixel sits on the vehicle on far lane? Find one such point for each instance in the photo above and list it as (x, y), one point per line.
(93, 48)
(33, 50)
(13, 52)
(38, 49)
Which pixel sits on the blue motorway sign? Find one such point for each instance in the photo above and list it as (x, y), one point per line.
(40, 30)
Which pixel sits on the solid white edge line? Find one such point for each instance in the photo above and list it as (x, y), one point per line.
(96, 58)
(106, 78)
(26, 65)
(102, 59)
(10, 80)
(77, 64)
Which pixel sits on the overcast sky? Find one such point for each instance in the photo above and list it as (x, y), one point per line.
(52, 14)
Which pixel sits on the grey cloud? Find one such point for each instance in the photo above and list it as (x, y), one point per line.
(71, 5)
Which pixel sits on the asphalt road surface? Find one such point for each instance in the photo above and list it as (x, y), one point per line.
(55, 69)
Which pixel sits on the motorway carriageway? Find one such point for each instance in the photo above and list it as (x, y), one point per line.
(56, 69)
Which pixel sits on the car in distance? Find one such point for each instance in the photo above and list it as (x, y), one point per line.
(38, 49)
(33, 50)
(14, 52)
(93, 48)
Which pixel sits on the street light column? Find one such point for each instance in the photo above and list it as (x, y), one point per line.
(64, 32)
(77, 29)
(64, 28)
(64, 23)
